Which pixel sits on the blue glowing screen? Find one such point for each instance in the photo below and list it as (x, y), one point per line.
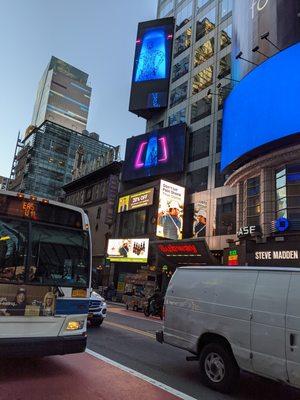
(151, 63)
(263, 107)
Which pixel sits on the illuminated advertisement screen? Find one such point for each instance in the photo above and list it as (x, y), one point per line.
(136, 200)
(170, 211)
(128, 250)
(152, 63)
(262, 109)
(155, 153)
(253, 18)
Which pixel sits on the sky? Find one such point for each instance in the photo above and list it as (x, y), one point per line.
(97, 36)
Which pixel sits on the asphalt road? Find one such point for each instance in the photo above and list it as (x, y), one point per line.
(129, 340)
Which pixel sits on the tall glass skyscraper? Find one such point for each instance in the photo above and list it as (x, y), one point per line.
(199, 84)
(63, 96)
(47, 158)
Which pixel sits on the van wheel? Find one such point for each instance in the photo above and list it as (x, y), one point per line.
(218, 368)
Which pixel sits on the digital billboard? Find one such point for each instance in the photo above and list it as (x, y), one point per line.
(151, 69)
(262, 111)
(136, 200)
(128, 250)
(155, 153)
(254, 18)
(170, 211)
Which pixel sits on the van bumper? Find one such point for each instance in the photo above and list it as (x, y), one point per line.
(160, 336)
(42, 346)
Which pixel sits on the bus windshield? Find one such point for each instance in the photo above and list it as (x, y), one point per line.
(42, 254)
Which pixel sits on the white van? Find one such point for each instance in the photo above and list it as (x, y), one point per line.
(236, 318)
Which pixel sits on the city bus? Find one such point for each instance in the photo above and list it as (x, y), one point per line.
(45, 275)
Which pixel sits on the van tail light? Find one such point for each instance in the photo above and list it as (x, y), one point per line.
(164, 312)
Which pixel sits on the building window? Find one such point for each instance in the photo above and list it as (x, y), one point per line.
(184, 16)
(201, 4)
(201, 109)
(219, 136)
(181, 68)
(178, 94)
(226, 37)
(226, 216)
(197, 180)
(288, 195)
(223, 93)
(226, 8)
(183, 42)
(220, 177)
(206, 24)
(88, 194)
(225, 66)
(199, 144)
(203, 79)
(166, 8)
(178, 117)
(204, 52)
(253, 201)
(133, 223)
(98, 213)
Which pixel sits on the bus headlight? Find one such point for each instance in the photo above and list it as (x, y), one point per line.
(74, 325)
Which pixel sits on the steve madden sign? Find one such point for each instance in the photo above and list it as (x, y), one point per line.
(277, 255)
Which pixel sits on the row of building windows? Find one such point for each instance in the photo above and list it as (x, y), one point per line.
(184, 13)
(202, 80)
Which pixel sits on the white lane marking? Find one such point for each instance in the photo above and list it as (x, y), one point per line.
(137, 374)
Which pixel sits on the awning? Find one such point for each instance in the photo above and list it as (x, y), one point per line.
(189, 252)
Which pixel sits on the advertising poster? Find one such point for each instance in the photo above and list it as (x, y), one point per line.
(28, 301)
(170, 211)
(136, 200)
(158, 152)
(200, 218)
(128, 250)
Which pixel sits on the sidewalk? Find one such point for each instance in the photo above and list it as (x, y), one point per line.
(73, 377)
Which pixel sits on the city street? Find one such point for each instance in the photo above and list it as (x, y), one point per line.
(123, 361)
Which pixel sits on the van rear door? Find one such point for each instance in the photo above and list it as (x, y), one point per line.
(293, 330)
(268, 324)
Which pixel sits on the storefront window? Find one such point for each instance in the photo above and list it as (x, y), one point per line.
(226, 37)
(133, 223)
(183, 42)
(206, 24)
(203, 79)
(181, 68)
(199, 144)
(204, 52)
(197, 180)
(178, 94)
(226, 216)
(178, 117)
(253, 201)
(184, 16)
(201, 109)
(226, 8)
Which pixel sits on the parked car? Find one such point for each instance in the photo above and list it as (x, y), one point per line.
(97, 309)
(236, 318)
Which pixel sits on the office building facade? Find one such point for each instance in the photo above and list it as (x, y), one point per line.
(48, 156)
(63, 96)
(199, 83)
